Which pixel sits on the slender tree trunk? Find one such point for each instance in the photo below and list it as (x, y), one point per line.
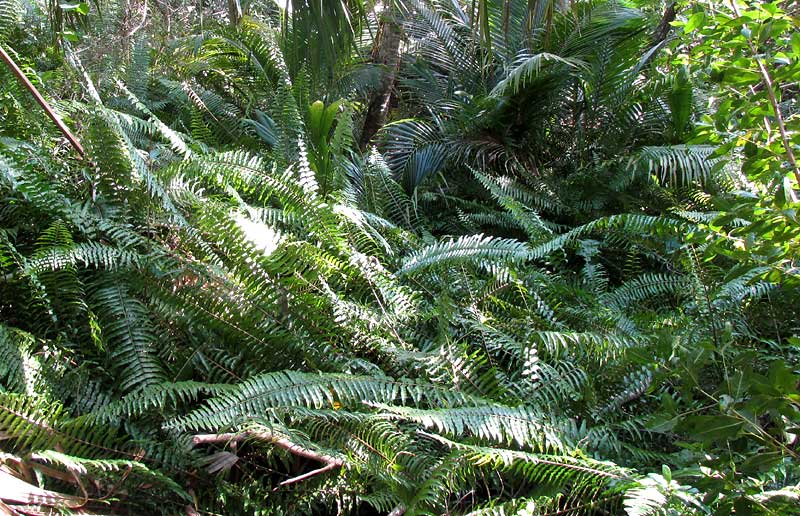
(661, 33)
(234, 12)
(386, 51)
(664, 27)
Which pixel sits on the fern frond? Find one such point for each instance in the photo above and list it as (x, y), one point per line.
(523, 426)
(131, 337)
(539, 196)
(469, 249)
(641, 288)
(627, 223)
(10, 11)
(158, 397)
(260, 396)
(175, 140)
(40, 425)
(15, 349)
(556, 342)
(676, 165)
(541, 468)
(83, 467)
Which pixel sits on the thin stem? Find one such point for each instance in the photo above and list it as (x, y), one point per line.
(41, 101)
(330, 462)
(769, 86)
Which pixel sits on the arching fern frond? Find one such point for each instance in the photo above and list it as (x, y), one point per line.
(628, 223)
(40, 425)
(641, 288)
(676, 165)
(471, 249)
(522, 426)
(262, 395)
(544, 468)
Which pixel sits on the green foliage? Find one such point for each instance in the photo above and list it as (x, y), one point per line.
(564, 281)
(10, 16)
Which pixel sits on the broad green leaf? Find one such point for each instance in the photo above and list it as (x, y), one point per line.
(78, 7)
(714, 428)
(795, 43)
(695, 21)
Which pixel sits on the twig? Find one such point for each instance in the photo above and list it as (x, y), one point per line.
(304, 476)
(330, 462)
(40, 100)
(136, 29)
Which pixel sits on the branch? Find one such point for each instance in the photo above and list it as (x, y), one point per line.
(136, 29)
(304, 476)
(330, 462)
(38, 96)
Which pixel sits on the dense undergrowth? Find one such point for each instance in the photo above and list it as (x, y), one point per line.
(561, 277)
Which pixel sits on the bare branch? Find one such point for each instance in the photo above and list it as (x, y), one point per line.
(304, 476)
(137, 28)
(43, 103)
(330, 462)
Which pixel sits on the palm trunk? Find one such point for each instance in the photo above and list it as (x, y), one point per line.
(386, 51)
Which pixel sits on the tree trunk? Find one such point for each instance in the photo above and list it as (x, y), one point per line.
(664, 27)
(386, 51)
(661, 33)
(234, 12)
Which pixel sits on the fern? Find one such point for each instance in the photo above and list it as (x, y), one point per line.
(520, 426)
(10, 11)
(41, 425)
(262, 395)
(523, 282)
(476, 248)
(15, 356)
(131, 337)
(630, 223)
(541, 467)
(676, 165)
(83, 467)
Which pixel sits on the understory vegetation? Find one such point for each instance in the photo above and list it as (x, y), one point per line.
(404, 257)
